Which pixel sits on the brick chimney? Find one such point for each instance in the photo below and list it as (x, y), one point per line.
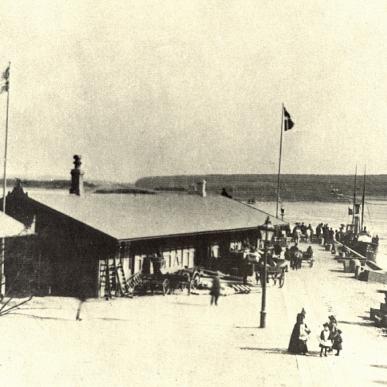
(202, 188)
(77, 177)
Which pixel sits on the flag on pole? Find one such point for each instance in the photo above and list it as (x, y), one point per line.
(288, 122)
(6, 74)
(5, 87)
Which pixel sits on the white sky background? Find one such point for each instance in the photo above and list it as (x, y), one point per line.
(179, 87)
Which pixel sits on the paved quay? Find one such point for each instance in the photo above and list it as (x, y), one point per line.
(181, 340)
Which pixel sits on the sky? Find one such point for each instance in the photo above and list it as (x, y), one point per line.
(161, 87)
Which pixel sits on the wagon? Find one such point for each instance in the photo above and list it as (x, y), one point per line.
(307, 257)
(180, 280)
(274, 273)
(153, 283)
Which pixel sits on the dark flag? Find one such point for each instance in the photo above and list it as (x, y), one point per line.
(6, 74)
(288, 123)
(5, 86)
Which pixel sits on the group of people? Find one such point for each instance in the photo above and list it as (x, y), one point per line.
(325, 232)
(330, 336)
(294, 255)
(301, 229)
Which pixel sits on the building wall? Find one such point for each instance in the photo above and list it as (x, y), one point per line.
(21, 266)
(68, 251)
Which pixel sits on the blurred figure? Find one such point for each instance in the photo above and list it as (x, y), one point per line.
(215, 290)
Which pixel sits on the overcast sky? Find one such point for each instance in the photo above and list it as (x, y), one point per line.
(179, 87)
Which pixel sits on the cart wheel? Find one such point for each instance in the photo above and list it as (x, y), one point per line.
(165, 286)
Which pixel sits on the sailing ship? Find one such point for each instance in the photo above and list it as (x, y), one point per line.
(356, 235)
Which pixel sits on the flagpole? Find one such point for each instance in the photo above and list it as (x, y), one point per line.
(6, 144)
(2, 277)
(279, 163)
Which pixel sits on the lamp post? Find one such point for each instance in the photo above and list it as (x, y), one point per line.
(268, 230)
(282, 213)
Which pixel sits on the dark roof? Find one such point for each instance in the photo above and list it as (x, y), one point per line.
(127, 216)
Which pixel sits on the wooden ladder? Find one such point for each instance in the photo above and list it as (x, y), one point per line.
(121, 280)
(104, 283)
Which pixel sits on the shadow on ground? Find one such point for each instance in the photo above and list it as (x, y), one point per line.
(39, 317)
(379, 366)
(367, 323)
(279, 351)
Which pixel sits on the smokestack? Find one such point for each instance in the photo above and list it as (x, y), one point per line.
(202, 188)
(77, 177)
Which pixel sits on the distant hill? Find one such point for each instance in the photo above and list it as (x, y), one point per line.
(263, 187)
(96, 186)
(240, 186)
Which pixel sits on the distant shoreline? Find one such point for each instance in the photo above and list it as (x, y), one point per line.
(261, 188)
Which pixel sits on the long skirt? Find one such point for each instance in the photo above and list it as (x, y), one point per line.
(303, 348)
(296, 345)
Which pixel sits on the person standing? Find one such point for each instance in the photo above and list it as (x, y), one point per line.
(304, 335)
(337, 342)
(325, 340)
(215, 290)
(299, 336)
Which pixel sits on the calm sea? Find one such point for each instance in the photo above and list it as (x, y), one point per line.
(375, 218)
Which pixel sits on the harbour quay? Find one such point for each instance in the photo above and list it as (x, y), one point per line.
(167, 337)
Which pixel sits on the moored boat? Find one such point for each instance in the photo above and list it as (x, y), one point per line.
(356, 236)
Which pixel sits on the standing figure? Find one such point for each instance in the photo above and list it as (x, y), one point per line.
(293, 256)
(299, 336)
(332, 327)
(215, 290)
(337, 342)
(325, 340)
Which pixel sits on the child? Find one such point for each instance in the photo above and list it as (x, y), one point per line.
(337, 342)
(325, 340)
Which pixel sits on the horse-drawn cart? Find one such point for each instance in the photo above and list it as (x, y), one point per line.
(275, 273)
(168, 283)
(307, 256)
(153, 283)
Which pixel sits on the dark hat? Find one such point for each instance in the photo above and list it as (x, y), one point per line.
(332, 317)
(326, 325)
(339, 331)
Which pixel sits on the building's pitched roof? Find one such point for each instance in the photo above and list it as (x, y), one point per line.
(147, 216)
(10, 227)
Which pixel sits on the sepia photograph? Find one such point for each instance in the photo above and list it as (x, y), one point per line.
(193, 193)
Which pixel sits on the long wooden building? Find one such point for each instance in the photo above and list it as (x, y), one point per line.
(79, 233)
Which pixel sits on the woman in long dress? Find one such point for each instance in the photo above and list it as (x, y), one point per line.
(299, 336)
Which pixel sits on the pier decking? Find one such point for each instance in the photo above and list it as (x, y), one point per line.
(180, 340)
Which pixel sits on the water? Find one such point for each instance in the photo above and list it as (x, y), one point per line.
(375, 218)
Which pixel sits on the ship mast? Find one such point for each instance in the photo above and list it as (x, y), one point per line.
(279, 164)
(354, 199)
(362, 202)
